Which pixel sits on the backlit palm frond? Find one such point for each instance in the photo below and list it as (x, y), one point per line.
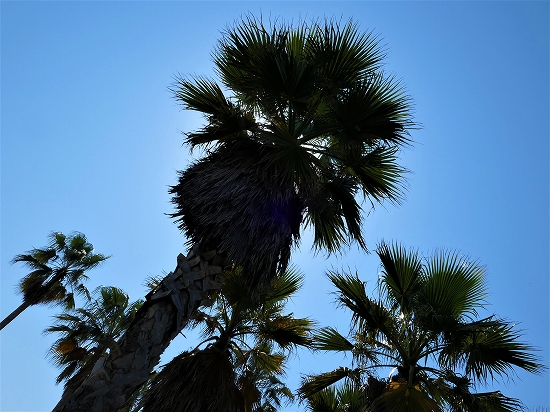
(378, 174)
(226, 121)
(334, 214)
(405, 398)
(454, 286)
(330, 339)
(342, 53)
(325, 400)
(495, 402)
(314, 384)
(494, 351)
(286, 331)
(372, 111)
(274, 394)
(367, 314)
(402, 275)
(283, 286)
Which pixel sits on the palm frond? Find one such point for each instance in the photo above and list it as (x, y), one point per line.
(495, 351)
(401, 275)
(454, 286)
(330, 339)
(406, 398)
(287, 331)
(367, 313)
(314, 384)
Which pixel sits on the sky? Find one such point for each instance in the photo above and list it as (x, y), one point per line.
(91, 140)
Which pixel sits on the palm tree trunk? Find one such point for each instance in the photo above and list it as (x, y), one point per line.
(35, 300)
(166, 311)
(14, 314)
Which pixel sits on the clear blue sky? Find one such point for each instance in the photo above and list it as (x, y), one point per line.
(90, 142)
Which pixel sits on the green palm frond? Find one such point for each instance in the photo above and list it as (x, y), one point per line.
(330, 339)
(406, 398)
(371, 111)
(274, 394)
(284, 286)
(287, 331)
(314, 384)
(261, 359)
(495, 350)
(342, 53)
(335, 214)
(347, 397)
(402, 275)
(495, 402)
(454, 286)
(367, 314)
(378, 174)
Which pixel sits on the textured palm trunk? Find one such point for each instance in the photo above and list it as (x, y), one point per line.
(29, 301)
(114, 378)
(14, 314)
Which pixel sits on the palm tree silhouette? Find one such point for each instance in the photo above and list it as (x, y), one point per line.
(57, 272)
(425, 328)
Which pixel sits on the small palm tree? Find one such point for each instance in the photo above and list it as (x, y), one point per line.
(88, 333)
(240, 367)
(58, 272)
(425, 328)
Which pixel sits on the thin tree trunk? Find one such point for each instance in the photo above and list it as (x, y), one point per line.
(14, 314)
(114, 378)
(34, 301)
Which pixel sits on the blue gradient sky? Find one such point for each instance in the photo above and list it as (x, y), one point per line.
(90, 142)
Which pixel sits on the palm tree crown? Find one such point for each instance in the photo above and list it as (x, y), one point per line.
(425, 328)
(239, 365)
(303, 121)
(57, 272)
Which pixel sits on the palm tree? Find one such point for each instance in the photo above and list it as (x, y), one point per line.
(88, 333)
(58, 272)
(239, 364)
(309, 121)
(425, 328)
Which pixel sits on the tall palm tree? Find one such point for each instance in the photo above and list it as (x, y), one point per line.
(425, 328)
(239, 364)
(303, 121)
(57, 272)
(88, 333)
